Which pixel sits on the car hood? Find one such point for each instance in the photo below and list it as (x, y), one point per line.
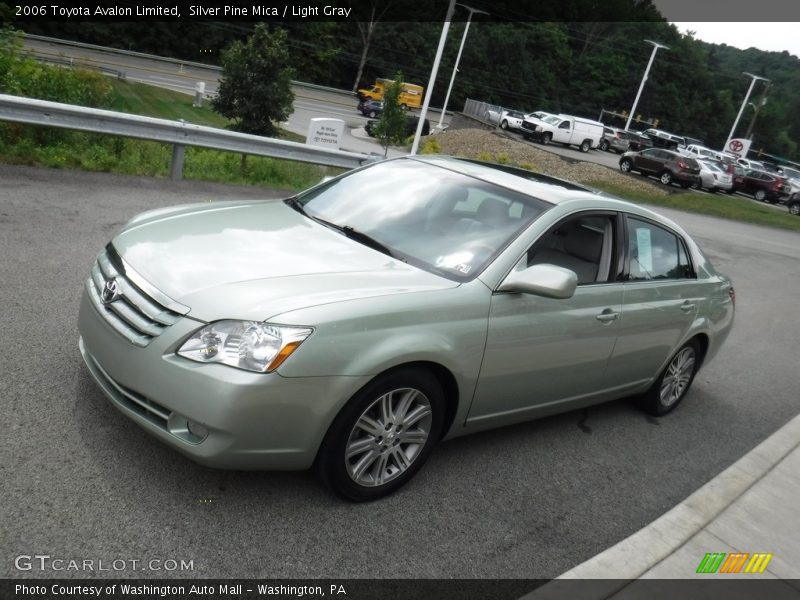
(254, 260)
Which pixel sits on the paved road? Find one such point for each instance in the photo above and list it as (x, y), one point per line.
(81, 481)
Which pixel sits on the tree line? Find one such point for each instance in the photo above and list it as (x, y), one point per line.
(578, 67)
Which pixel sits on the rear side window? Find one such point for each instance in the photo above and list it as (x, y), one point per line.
(654, 253)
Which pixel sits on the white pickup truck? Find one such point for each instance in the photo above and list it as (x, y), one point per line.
(565, 129)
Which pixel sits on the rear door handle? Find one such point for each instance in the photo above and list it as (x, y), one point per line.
(687, 306)
(607, 316)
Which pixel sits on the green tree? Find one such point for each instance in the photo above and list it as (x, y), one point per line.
(255, 90)
(391, 126)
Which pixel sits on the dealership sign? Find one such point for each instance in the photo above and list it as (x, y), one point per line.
(325, 132)
(738, 146)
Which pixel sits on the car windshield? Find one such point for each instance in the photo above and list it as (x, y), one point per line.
(431, 217)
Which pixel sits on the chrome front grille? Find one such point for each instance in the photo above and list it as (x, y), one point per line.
(135, 314)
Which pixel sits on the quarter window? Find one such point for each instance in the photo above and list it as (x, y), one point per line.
(655, 253)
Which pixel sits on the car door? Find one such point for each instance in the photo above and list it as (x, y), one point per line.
(563, 132)
(661, 296)
(543, 353)
(648, 161)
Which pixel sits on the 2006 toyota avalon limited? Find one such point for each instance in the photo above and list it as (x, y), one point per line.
(357, 324)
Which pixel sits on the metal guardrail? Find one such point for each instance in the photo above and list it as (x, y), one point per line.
(177, 133)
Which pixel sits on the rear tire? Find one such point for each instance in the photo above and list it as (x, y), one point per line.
(674, 382)
(383, 435)
(794, 208)
(665, 178)
(760, 195)
(372, 114)
(586, 145)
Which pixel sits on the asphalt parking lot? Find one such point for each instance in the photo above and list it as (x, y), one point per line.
(80, 481)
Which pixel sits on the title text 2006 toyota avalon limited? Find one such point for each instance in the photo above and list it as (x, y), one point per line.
(357, 324)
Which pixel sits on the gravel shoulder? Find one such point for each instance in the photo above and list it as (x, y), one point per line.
(497, 146)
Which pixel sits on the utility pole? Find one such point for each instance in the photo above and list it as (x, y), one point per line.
(458, 58)
(757, 107)
(744, 103)
(429, 92)
(656, 46)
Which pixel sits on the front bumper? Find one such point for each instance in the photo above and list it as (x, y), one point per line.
(254, 421)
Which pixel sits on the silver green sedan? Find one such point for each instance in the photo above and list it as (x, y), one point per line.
(355, 325)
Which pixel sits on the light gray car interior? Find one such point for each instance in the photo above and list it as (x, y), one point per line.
(582, 245)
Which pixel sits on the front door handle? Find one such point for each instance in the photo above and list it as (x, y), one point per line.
(687, 306)
(607, 316)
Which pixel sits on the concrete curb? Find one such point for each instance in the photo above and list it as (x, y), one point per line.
(634, 556)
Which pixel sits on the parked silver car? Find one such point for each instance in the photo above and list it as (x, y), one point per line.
(413, 300)
(713, 177)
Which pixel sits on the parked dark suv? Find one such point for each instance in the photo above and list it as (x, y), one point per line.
(763, 186)
(667, 165)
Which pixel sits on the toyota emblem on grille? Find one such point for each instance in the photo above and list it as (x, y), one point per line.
(111, 291)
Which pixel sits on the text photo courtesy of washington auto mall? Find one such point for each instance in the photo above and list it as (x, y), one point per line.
(432, 299)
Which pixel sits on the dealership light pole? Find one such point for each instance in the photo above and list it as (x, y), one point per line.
(744, 103)
(429, 92)
(458, 58)
(656, 46)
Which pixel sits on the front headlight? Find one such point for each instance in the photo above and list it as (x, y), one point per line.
(539, 128)
(249, 345)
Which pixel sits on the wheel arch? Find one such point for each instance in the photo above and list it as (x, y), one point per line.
(703, 341)
(445, 378)
(442, 374)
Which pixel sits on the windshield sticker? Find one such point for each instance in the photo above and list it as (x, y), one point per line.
(645, 249)
(458, 261)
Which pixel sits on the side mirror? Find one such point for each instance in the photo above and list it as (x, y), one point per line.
(545, 280)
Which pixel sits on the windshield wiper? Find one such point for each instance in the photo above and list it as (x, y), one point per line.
(296, 204)
(363, 238)
(367, 240)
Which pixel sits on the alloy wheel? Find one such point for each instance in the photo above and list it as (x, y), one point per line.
(388, 437)
(677, 377)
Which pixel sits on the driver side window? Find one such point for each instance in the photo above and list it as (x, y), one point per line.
(583, 244)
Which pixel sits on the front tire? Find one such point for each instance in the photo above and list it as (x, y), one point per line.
(372, 114)
(674, 382)
(383, 436)
(625, 165)
(604, 145)
(504, 124)
(546, 138)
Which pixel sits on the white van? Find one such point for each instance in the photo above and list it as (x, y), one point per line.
(565, 129)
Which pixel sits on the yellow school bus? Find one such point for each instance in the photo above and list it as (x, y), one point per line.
(410, 94)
